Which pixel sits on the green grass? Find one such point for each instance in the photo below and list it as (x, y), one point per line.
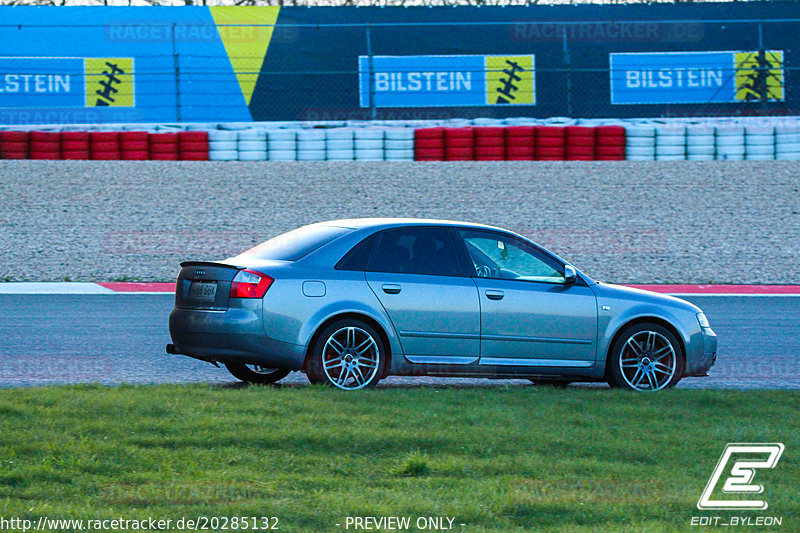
(497, 459)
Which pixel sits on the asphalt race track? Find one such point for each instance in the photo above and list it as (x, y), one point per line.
(111, 339)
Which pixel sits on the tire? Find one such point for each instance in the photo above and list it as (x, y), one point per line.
(337, 346)
(641, 346)
(256, 373)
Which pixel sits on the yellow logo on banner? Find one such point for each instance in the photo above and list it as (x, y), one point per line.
(509, 80)
(109, 82)
(756, 74)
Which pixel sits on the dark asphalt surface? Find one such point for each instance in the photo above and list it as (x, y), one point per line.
(112, 339)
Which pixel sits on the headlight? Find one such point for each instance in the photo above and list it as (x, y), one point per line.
(701, 318)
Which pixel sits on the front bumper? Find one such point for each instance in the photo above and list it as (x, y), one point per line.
(702, 353)
(230, 336)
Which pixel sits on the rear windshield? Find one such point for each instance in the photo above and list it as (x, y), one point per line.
(297, 243)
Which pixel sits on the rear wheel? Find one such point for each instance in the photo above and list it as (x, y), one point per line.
(646, 357)
(253, 373)
(347, 354)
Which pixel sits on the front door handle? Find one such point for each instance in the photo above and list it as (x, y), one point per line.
(391, 288)
(495, 295)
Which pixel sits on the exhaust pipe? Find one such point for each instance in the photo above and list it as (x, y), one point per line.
(171, 349)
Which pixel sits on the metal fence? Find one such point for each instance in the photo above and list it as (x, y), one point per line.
(146, 71)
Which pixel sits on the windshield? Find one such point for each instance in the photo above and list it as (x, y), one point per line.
(297, 243)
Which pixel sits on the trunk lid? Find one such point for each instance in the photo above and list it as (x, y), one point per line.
(204, 285)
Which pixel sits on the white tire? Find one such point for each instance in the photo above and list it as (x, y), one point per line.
(311, 155)
(369, 133)
(698, 130)
(223, 135)
(700, 140)
(282, 155)
(788, 156)
(369, 144)
(253, 135)
(759, 149)
(640, 141)
(785, 148)
(222, 146)
(223, 155)
(784, 138)
(253, 156)
(311, 135)
(728, 130)
(759, 130)
(235, 126)
(399, 155)
(759, 139)
(646, 151)
(670, 140)
(281, 135)
(283, 145)
(730, 140)
(340, 155)
(788, 128)
(730, 157)
(640, 131)
(701, 149)
(673, 130)
(310, 145)
(670, 158)
(339, 134)
(391, 144)
(252, 146)
(640, 157)
(758, 157)
(337, 144)
(400, 134)
(369, 155)
(700, 157)
(670, 150)
(730, 150)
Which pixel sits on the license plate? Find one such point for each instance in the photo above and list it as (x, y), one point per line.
(203, 291)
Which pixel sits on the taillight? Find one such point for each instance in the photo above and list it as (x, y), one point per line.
(250, 284)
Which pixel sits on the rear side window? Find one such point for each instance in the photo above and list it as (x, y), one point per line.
(357, 257)
(416, 250)
(297, 243)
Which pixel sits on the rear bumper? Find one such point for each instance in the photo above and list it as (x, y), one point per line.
(233, 335)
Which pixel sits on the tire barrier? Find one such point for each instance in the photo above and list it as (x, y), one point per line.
(480, 139)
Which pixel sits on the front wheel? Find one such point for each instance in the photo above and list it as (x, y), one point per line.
(347, 354)
(646, 357)
(253, 373)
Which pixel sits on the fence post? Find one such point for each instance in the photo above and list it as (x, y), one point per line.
(177, 67)
(372, 110)
(568, 67)
(763, 73)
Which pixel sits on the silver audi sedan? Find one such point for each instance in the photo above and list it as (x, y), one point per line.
(350, 302)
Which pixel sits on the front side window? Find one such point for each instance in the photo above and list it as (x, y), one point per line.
(416, 250)
(499, 256)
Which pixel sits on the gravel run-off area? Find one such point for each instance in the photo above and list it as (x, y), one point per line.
(634, 222)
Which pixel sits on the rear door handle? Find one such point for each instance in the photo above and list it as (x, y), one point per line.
(495, 295)
(391, 288)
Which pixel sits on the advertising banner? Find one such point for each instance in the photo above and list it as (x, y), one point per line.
(446, 80)
(696, 77)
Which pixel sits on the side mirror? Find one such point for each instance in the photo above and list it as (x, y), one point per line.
(570, 275)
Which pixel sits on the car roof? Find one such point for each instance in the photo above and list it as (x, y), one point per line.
(361, 223)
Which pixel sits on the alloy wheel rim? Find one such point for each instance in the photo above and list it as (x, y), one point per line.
(350, 358)
(647, 361)
(258, 369)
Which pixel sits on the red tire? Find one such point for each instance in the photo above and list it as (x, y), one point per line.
(14, 146)
(459, 133)
(459, 142)
(134, 146)
(520, 141)
(104, 146)
(44, 146)
(45, 155)
(610, 157)
(195, 136)
(520, 158)
(582, 151)
(14, 136)
(490, 141)
(103, 136)
(579, 140)
(550, 131)
(194, 156)
(133, 136)
(428, 133)
(524, 152)
(429, 154)
(75, 136)
(75, 154)
(45, 136)
(105, 156)
(163, 148)
(74, 146)
(135, 155)
(610, 141)
(429, 143)
(193, 146)
(610, 151)
(571, 157)
(544, 152)
(489, 158)
(549, 158)
(163, 138)
(550, 142)
(459, 154)
(490, 151)
(164, 156)
(14, 155)
(610, 131)
(490, 131)
(520, 131)
(580, 131)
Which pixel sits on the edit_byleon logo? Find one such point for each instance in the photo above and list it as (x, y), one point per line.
(745, 459)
